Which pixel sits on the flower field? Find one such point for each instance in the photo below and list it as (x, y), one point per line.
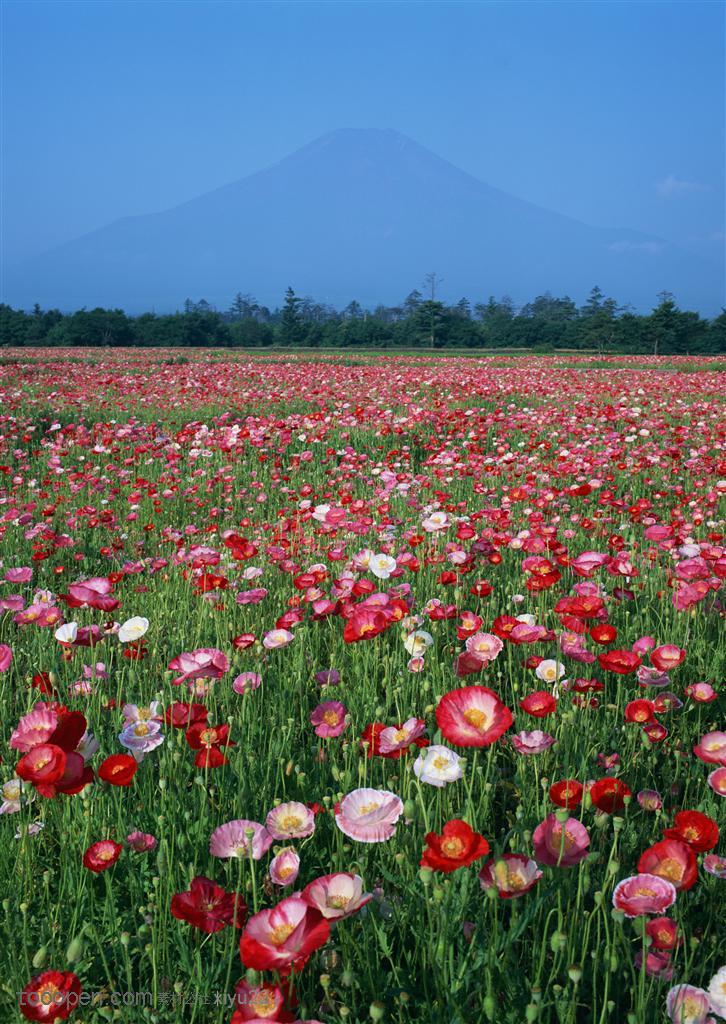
(351, 688)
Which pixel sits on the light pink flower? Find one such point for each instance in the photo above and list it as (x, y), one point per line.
(291, 820)
(336, 896)
(369, 815)
(277, 638)
(715, 865)
(650, 800)
(711, 748)
(392, 738)
(484, 646)
(686, 1004)
(240, 838)
(34, 728)
(717, 781)
(285, 867)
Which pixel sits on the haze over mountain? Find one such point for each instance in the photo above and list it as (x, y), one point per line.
(364, 214)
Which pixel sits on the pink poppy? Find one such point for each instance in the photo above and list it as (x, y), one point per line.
(282, 939)
(667, 657)
(369, 815)
(560, 844)
(472, 716)
(204, 663)
(686, 1004)
(512, 875)
(240, 838)
(329, 719)
(34, 728)
(717, 781)
(285, 867)
(141, 842)
(291, 820)
(484, 646)
(277, 638)
(715, 865)
(643, 894)
(711, 748)
(23, 574)
(6, 657)
(394, 738)
(336, 896)
(245, 682)
(534, 742)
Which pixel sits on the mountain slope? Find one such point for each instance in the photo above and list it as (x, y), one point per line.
(356, 214)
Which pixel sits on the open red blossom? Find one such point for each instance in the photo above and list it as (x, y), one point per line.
(673, 860)
(101, 855)
(621, 662)
(698, 830)
(118, 769)
(640, 711)
(457, 846)
(609, 795)
(208, 907)
(43, 765)
(207, 740)
(567, 793)
(181, 716)
(604, 633)
(538, 704)
(49, 996)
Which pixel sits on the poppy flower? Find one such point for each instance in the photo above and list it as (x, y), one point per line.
(609, 795)
(673, 860)
(640, 711)
(337, 896)
(560, 844)
(696, 829)
(567, 793)
(643, 894)
(101, 855)
(118, 769)
(472, 716)
(511, 875)
(369, 815)
(620, 662)
(539, 704)
(264, 1002)
(283, 938)
(711, 748)
(663, 933)
(208, 907)
(457, 846)
(207, 740)
(667, 657)
(49, 996)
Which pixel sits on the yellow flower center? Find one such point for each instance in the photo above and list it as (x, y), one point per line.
(281, 933)
(141, 729)
(330, 718)
(477, 718)
(367, 808)
(289, 822)
(670, 869)
(452, 847)
(338, 901)
(440, 762)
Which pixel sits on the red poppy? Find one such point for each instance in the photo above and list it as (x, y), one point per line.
(538, 704)
(101, 855)
(622, 662)
(43, 765)
(208, 907)
(640, 711)
(609, 795)
(698, 830)
(49, 996)
(663, 933)
(118, 769)
(364, 624)
(207, 739)
(604, 633)
(457, 846)
(181, 716)
(567, 793)
(673, 860)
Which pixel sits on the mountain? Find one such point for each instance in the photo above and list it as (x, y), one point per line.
(361, 214)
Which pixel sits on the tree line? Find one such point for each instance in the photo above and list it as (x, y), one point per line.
(421, 321)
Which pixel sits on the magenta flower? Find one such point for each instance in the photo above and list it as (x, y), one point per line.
(6, 657)
(23, 574)
(560, 844)
(141, 842)
(329, 719)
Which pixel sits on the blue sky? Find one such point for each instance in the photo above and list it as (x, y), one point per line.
(612, 113)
